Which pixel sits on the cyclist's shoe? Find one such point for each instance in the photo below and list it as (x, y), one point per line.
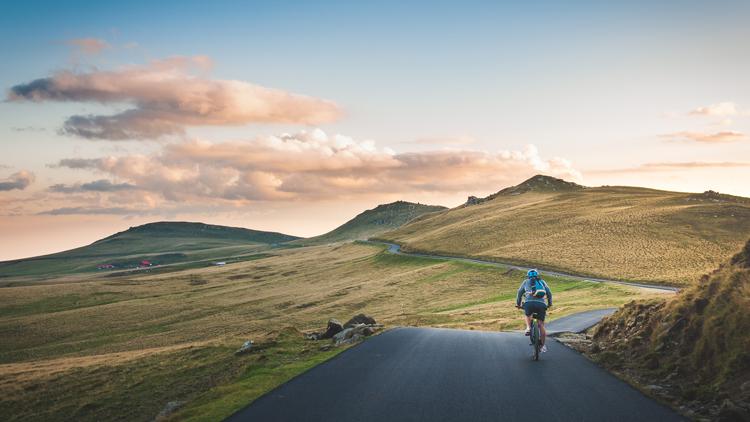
(527, 332)
(543, 349)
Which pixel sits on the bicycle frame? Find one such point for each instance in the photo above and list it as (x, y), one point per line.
(536, 337)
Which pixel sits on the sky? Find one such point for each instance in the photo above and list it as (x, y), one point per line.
(296, 116)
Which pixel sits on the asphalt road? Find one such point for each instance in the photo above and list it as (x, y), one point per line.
(396, 249)
(579, 322)
(430, 374)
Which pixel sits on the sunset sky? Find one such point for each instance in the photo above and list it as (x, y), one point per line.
(296, 116)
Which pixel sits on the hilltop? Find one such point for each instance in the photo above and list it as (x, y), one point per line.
(376, 221)
(627, 232)
(157, 243)
(538, 183)
(694, 348)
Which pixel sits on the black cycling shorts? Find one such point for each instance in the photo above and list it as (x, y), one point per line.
(534, 307)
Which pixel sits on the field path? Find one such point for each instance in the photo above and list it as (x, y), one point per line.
(433, 374)
(396, 249)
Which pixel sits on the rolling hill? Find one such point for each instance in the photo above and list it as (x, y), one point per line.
(632, 233)
(374, 222)
(159, 243)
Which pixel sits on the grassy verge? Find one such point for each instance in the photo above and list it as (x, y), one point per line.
(270, 366)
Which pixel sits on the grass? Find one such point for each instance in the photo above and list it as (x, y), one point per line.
(373, 222)
(613, 232)
(694, 345)
(164, 244)
(85, 347)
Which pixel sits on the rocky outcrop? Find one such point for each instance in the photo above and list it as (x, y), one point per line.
(360, 319)
(334, 327)
(357, 328)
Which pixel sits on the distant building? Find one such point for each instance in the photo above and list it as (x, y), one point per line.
(146, 263)
(220, 263)
(105, 267)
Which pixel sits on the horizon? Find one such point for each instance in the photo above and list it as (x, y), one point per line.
(339, 224)
(294, 118)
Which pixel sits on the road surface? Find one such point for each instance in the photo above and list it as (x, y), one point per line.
(396, 249)
(432, 374)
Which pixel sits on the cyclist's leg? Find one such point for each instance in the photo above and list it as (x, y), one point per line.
(527, 316)
(542, 316)
(543, 331)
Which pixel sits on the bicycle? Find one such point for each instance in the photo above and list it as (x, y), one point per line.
(535, 335)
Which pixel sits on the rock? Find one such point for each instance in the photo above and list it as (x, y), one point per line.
(246, 348)
(730, 412)
(313, 336)
(170, 408)
(334, 327)
(472, 200)
(745, 387)
(343, 335)
(360, 319)
(362, 329)
(350, 340)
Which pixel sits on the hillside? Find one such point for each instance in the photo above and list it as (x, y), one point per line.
(695, 347)
(159, 243)
(626, 232)
(374, 222)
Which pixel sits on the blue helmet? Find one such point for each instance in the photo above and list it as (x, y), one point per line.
(532, 274)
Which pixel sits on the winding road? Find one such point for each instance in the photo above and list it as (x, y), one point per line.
(396, 249)
(433, 374)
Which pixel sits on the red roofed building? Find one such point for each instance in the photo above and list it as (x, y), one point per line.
(146, 263)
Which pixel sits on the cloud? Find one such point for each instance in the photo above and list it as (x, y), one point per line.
(716, 137)
(77, 163)
(673, 166)
(312, 165)
(91, 46)
(462, 140)
(168, 96)
(95, 211)
(719, 109)
(102, 185)
(20, 180)
(27, 129)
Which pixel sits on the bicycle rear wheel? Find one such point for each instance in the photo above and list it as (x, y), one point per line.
(536, 339)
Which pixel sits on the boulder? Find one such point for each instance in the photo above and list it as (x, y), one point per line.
(170, 408)
(360, 319)
(362, 329)
(334, 327)
(246, 348)
(350, 340)
(343, 335)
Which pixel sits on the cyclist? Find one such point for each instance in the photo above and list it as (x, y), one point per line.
(534, 289)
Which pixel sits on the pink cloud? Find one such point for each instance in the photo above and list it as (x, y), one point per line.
(719, 109)
(716, 137)
(312, 165)
(19, 180)
(168, 96)
(90, 46)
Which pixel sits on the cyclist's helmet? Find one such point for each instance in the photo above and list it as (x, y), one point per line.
(532, 274)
